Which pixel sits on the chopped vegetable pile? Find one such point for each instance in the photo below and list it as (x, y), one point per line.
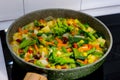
(58, 43)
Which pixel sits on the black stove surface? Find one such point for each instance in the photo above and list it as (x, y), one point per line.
(110, 70)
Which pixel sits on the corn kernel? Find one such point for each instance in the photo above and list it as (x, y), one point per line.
(91, 58)
(58, 67)
(58, 53)
(84, 54)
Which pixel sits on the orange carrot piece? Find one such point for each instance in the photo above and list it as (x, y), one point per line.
(83, 62)
(22, 31)
(50, 43)
(85, 47)
(61, 45)
(90, 46)
(40, 38)
(69, 49)
(36, 47)
(25, 31)
(98, 47)
(59, 40)
(78, 60)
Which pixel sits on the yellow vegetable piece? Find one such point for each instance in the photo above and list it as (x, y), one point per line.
(46, 29)
(91, 58)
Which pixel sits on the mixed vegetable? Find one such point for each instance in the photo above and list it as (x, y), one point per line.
(58, 43)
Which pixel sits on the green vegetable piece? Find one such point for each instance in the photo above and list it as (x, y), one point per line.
(25, 49)
(91, 51)
(37, 41)
(52, 55)
(36, 23)
(65, 22)
(70, 28)
(101, 41)
(80, 24)
(66, 54)
(86, 25)
(74, 39)
(26, 43)
(50, 38)
(38, 63)
(58, 30)
(44, 36)
(82, 41)
(55, 42)
(59, 23)
(61, 61)
(87, 34)
(39, 34)
(61, 27)
(91, 36)
(64, 49)
(72, 65)
(77, 54)
(98, 54)
(31, 56)
(43, 42)
(98, 34)
(22, 55)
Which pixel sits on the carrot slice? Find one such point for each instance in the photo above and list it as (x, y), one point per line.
(50, 43)
(98, 47)
(69, 49)
(83, 62)
(36, 47)
(61, 45)
(59, 40)
(85, 47)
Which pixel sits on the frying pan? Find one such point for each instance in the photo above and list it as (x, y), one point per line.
(55, 74)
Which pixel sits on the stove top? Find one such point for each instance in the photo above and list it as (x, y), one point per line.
(110, 70)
